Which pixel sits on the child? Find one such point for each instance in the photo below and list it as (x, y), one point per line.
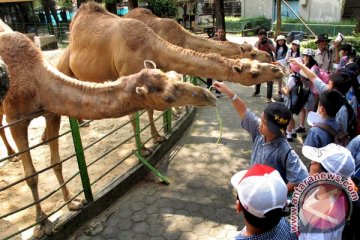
(291, 93)
(280, 52)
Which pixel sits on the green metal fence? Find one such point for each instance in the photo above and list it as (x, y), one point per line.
(88, 183)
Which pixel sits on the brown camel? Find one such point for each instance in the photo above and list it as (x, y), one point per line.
(172, 32)
(35, 86)
(119, 46)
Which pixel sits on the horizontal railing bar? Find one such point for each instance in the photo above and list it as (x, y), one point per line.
(112, 168)
(106, 153)
(23, 119)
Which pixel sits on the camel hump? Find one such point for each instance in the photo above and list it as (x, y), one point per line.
(139, 11)
(4, 80)
(92, 7)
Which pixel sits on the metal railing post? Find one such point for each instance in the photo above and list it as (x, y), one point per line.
(167, 121)
(137, 133)
(81, 159)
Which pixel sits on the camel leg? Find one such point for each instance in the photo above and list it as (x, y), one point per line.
(157, 138)
(20, 135)
(9, 149)
(52, 129)
(144, 150)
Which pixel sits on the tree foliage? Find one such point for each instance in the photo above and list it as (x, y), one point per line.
(163, 8)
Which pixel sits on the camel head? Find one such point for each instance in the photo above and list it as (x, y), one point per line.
(253, 72)
(248, 51)
(4, 80)
(159, 91)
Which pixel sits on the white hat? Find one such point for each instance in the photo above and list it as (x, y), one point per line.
(260, 189)
(334, 158)
(308, 52)
(313, 118)
(297, 42)
(280, 37)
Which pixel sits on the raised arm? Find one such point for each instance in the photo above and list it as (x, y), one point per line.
(237, 102)
(309, 74)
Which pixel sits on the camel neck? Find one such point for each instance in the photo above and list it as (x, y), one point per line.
(189, 62)
(85, 100)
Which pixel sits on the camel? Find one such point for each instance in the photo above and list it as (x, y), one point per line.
(119, 46)
(174, 33)
(37, 86)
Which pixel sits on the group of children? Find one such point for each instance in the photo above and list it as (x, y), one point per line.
(276, 169)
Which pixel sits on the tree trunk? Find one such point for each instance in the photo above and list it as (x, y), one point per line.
(278, 18)
(133, 4)
(49, 6)
(219, 14)
(357, 28)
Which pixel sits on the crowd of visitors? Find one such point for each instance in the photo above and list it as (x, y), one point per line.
(323, 87)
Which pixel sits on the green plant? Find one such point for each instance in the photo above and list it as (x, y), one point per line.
(163, 8)
(354, 41)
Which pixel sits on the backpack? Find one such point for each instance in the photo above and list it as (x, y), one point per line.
(340, 137)
(303, 95)
(352, 122)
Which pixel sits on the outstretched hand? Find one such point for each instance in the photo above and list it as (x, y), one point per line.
(295, 61)
(221, 87)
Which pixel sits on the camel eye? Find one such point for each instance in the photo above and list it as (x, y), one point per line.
(253, 55)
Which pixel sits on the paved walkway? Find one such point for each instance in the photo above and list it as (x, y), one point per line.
(199, 202)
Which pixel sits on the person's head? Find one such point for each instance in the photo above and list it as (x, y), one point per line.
(308, 57)
(262, 35)
(322, 41)
(295, 45)
(332, 158)
(280, 40)
(274, 120)
(345, 49)
(341, 81)
(329, 103)
(220, 33)
(261, 195)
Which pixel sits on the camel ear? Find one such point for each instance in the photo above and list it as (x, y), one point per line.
(237, 68)
(148, 64)
(242, 49)
(141, 90)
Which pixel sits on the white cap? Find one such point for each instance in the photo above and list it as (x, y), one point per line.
(297, 42)
(334, 158)
(280, 37)
(308, 52)
(313, 118)
(260, 189)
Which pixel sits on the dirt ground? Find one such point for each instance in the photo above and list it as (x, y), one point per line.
(19, 195)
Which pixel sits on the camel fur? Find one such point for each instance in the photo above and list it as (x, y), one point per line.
(172, 32)
(119, 46)
(36, 87)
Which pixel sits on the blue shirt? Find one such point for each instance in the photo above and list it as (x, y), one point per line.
(279, 232)
(342, 115)
(318, 137)
(276, 154)
(354, 148)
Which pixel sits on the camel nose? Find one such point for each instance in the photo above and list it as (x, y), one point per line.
(254, 73)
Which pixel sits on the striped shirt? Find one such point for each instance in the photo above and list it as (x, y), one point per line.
(276, 154)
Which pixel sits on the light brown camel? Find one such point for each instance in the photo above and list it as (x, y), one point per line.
(172, 32)
(104, 46)
(35, 85)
